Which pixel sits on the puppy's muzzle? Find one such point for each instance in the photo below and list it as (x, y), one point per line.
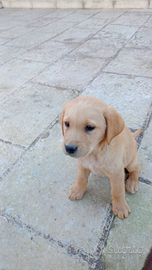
(70, 149)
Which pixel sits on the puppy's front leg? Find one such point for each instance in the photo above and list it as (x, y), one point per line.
(78, 189)
(119, 204)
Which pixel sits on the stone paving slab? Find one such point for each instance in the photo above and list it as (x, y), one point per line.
(8, 156)
(66, 72)
(148, 23)
(109, 14)
(57, 27)
(28, 111)
(21, 248)
(30, 40)
(40, 22)
(3, 41)
(141, 40)
(6, 54)
(39, 195)
(130, 240)
(130, 95)
(145, 154)
(141, 10)
(16, 32)
(16, 73)
(107, 42)
(137, 62)
(6, 25)
(130, 18)
(58, 13)
(75, 35)
(78, 17)
(49, 51)
(23, 15)
(93, 23)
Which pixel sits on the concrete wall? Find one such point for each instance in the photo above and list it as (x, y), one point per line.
(76, 3)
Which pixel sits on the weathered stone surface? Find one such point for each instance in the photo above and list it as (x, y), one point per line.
(16, 73)
(16, 32)
(107, 42)
(49, 51)
(149, 22)
(118, 33)
(71, 72)
(129, 95)
(145, 153)
(39, 35)
(137, 62)
(129, 241)
(7, 24)
(23, 249)
(130, 18)
(57, 27)
(39, 195)
(8, 156)
(77, 16)
(25, 15)
(32, 39)
(59, 13)
(6, 54)
(3, 41)
(142, 39)
(28, 111)
(109, 14)
(75, 35)
(141, 10)
(93, 23)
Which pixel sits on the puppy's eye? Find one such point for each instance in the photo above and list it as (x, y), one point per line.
(89, 128)
(67, 124)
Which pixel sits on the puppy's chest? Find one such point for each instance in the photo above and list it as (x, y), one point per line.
(98, 164)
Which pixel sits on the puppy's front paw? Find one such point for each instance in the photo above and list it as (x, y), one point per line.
(76, 192)
(131, 186)
(121, 210)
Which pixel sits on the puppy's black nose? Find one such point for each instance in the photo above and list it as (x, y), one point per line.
(70, 148)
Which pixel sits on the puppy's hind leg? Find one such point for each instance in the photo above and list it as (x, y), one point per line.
(134, 171)
(78, 189)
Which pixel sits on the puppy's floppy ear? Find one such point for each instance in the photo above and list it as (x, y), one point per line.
(115, 123)
(61, 121)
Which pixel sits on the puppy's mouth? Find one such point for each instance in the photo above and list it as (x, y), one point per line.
(73, 151)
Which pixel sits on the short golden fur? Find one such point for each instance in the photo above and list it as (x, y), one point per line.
(97, 136)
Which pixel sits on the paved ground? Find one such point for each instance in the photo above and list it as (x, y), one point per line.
(48, 57)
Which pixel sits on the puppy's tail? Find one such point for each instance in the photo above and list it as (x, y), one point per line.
(136, 133)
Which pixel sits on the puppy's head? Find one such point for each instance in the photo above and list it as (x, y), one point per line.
(86, 121)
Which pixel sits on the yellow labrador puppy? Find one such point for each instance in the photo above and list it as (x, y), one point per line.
(96, 135)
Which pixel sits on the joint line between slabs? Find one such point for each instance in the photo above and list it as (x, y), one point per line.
(106, 230)
(145, 181)
(70, 249)
(30, 146)
(125, 74)
(145, 125)
(13, 144)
